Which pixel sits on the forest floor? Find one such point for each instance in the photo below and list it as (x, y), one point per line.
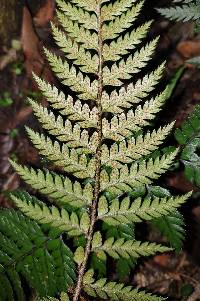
(177, 276)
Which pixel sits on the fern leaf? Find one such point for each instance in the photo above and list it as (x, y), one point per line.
(186, 12)
(71, 78)
(35, 256)
(172, 226)
(114, 291)
(73, 51)
(126, 231)
(123, 124)
(139, 174)
(188, 136)
(134, 148)
(64, 131)
(10, 284)
(125, 248)
(88, 5)
(195, 61)
(7, 292)
(60, 190)
(133, 94)
(69, 160)
(62, 156)
(74, 111)
(116, 49)
(79, 15)
(136, 211)
(78, 33)
(63, 297)
(52, 216)
(133, 64)
(124, 268)
(116, 9)
(121, 23)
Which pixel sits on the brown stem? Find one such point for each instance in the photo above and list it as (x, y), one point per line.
(93, 215)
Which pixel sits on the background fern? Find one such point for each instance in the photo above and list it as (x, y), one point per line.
(186, 10)
(100, 135)
(37, 254)
(188, 137)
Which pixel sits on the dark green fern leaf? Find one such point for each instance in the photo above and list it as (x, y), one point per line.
(63, 297)
(188, 136)
(44, 261)
(172, 227)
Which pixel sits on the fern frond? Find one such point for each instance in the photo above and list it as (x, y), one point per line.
(195, 61)
(81, 35)
(121, 23)
(133, 64)
(172, 226)
(75, 111)
(89, 21)
(94, 131)
(188, 136)
(116, 49)
(114, 291)
(132, 94)
(61, 190)
(45, 262)
(52, 216)
(10, 285)
(73, 51)
(188, 11)
(64, 131)
(116, 9)
(70, 160)
(124, 180)
(123, 124)
(134, 148)
(69, 76)
(136, 211)
(124, 248)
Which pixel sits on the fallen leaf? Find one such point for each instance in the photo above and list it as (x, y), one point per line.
(189, 49)
(162, 260)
